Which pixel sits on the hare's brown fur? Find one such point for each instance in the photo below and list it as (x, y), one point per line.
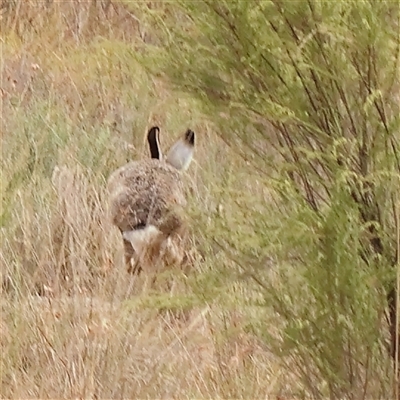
(149, 194)
(145, 193)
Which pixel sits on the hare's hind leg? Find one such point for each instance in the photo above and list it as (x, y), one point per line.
(131, 262)
(138, 244)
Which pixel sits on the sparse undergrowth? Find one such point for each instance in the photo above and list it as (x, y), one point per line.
(76, 102)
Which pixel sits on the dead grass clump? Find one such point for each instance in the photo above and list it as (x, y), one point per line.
(77, 21)
(69, 247)
(79, 347)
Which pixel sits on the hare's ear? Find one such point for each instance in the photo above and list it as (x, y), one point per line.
(153, 138)
(181, 153)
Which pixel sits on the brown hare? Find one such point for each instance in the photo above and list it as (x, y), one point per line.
(147, 204)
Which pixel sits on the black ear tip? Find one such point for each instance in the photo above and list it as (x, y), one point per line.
(154, 128)
(153, 140)
(189, 136)
(153, 133)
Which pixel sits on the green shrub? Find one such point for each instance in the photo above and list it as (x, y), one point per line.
(307, 93)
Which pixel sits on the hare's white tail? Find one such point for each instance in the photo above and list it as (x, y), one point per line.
(140, 238)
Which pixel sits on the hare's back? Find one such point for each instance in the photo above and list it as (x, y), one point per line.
(141, 192)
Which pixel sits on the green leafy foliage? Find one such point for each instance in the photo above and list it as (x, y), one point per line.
(307, 93)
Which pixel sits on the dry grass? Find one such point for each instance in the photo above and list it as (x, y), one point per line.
(82, 347)
(75, 106)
